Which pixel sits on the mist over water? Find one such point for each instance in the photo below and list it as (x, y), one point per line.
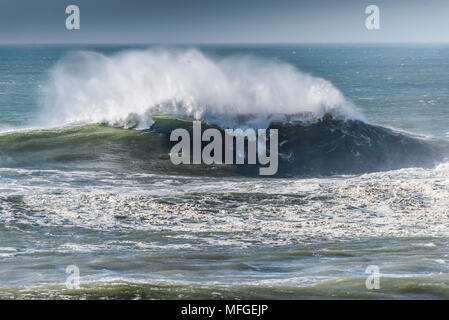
(130, 86)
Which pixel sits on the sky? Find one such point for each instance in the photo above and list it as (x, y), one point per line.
(223, 21)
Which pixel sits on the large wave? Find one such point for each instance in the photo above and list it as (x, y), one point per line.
(325, 147)
(134, 88)
(128, 87)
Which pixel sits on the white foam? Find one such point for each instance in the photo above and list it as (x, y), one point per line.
(128, 87)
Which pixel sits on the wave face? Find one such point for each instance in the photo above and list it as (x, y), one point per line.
(338, 147)
(126, 88)
(325, 147)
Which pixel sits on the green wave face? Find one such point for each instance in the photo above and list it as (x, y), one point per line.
(424, 287)
(325, 147)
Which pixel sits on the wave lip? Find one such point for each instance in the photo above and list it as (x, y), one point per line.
(128, 87)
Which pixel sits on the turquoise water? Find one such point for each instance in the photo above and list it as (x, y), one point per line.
(79, 188)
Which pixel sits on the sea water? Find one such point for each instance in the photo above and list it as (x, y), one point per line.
(84, 180)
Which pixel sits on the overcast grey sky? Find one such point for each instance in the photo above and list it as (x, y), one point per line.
(223, 21)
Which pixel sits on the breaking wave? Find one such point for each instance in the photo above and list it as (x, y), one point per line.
(90, 94)
(125, 89)
(325, 147)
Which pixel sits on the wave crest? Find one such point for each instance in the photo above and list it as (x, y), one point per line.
(128, 87)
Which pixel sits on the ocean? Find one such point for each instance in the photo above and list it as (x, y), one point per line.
(86, 181)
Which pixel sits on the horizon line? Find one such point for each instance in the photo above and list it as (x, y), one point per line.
(224, 43)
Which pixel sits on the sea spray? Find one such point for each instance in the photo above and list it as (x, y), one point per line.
(126, 88)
